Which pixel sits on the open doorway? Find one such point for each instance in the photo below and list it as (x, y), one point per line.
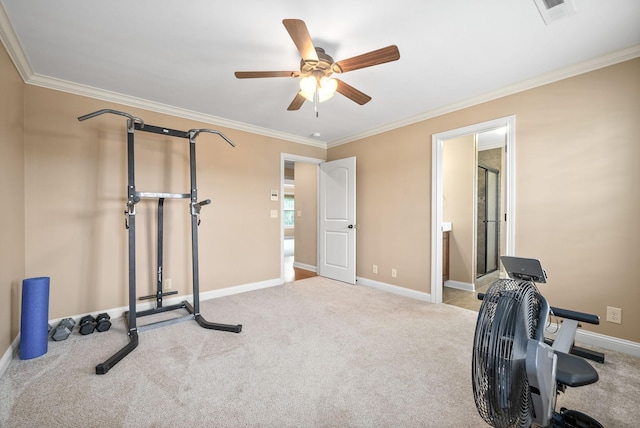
(299, 214)
(468, 139)
(490, 203)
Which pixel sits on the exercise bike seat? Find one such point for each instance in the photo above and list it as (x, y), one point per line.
(574, 371)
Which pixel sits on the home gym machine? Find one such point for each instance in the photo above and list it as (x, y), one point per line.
(133, 197)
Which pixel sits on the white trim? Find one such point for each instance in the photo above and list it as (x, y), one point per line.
(608, 342)
(16, 53)
(207, 295)
(12, 45)
(458, 285)
(6, 359)
(131, 101)
(437, 141)
(305, 266)
(544, 79)
(402, 291)
(584, 337)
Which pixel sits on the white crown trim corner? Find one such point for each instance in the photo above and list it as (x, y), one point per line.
(544, 79)
(12, 45)
(101, 94)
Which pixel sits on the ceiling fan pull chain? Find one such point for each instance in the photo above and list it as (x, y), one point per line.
(316, 96)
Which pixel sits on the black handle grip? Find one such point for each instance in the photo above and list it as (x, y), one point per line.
(567, 313)
(578, 316)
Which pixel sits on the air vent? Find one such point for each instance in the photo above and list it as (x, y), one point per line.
(553, 10)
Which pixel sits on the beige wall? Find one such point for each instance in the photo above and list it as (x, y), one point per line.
(577, 200)
(459, 200)
(75, 186)
(12, 215)
(306, 230)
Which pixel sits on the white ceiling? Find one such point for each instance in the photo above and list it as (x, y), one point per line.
(179, 57)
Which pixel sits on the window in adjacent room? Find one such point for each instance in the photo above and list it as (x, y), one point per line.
(289, 211)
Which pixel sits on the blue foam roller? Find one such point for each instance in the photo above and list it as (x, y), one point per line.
(34, 318)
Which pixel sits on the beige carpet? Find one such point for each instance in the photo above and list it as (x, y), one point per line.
(314, 353)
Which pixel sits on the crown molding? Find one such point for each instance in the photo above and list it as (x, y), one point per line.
(544, 79)
(12, 45)
(16, 53)
(104, 95)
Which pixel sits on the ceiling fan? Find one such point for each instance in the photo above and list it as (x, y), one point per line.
(317, 67)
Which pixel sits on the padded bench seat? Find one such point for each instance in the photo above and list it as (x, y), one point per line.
(574, 371)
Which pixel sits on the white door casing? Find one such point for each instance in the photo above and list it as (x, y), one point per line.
(437, 141)
(337, 220)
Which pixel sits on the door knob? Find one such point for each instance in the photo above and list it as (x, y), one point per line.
(351, 226)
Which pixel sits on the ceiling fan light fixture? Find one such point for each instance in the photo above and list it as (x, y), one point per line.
(328, 85)
(308, 95)
(308, 84)
(325, 87)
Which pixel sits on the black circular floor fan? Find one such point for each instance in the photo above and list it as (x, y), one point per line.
(508, 317)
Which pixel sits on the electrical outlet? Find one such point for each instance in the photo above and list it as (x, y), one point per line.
(375, 268)
(614, 315)
(394, 273)
(166, 284)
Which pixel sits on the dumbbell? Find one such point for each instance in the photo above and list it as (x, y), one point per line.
(100, 323)
(63, 329)
(87, 324)
(103, 322)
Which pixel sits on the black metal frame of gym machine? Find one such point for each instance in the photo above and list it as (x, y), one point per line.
(133, 197)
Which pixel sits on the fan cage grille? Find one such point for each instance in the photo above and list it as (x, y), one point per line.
(507, 318)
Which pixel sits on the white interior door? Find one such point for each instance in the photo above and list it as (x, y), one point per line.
(337, 222)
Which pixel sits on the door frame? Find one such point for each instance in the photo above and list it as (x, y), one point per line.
(437, 141)
(294, 158)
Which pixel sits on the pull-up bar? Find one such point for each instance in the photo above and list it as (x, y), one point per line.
(133, 197)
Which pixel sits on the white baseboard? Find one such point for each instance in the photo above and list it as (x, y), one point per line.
(419, 295)
(8, 355)
(119, 311)
(305, 267)
(608, 342)
(582, 336)
(466, 286)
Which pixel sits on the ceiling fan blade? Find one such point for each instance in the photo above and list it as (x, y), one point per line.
(258, 74)
(297, 102)
(380, 56)
(352, 93)
(297, 29)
